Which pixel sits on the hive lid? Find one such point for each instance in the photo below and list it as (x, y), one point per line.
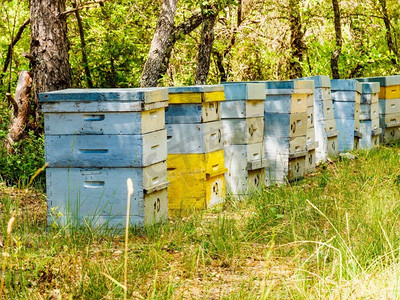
(345, 85)
(370, 87)
(244, 91)
(320, 81)
(146, 95)
(196, 94)
(383, 80)
(196, 89)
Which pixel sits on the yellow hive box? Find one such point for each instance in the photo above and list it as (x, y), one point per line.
(196, 97)
(197, 180)
(196, 94)
(389, 92)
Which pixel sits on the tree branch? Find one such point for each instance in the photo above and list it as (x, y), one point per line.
(79, 7)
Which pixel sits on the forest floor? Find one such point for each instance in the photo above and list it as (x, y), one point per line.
(334, 234)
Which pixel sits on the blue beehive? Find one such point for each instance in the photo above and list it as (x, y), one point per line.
(243, 126)
(389, 105)
(346, 96)
(289, 119)
(95, 140)
(369, 115)
(324, 119)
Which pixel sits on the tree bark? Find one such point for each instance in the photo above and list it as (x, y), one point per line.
(83, 47)
(392, 47)
(11, 48)
(178, 32)
(338, 35)
(49, 46)
(159, 44)
(21, 104)
(296, 40)
(205, 49)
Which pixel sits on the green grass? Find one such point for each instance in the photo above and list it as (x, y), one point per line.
(334, 235)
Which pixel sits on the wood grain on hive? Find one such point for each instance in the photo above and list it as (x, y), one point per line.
(95, 140)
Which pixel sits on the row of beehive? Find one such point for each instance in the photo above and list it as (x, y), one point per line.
(95, 139)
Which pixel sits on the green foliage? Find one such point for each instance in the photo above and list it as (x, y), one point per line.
(28, 156)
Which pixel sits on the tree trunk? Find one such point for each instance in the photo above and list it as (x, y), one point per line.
(220, 57)
(159, 44)
(83, 47)
(21, 104)
(182, 29)
(11, 49)
(392, 47)
(296, 40)
(49, 46)
(205, 48)
(338, 35)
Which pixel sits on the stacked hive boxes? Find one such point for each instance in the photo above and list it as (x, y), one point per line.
(346, 96)
(97, 139)
(285, 128)
(243, 122)
(389, 105)
(311, 144)
(195, 147)
(369, 115)
(324, 119)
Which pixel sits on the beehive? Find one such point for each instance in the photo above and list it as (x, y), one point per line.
(197, 180)
(369, 115)
(389, 105)
(324, 119)
(287, 118)
(243, 128)
(195, 147)
(346, 96)
(95, 140)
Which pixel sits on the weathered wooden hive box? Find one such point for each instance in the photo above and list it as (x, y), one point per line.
(95, 140)
(243, 127)
(389, 105)
(286, 122)
(369, 115)
(195, 160)
(324, 119)
(346, 96)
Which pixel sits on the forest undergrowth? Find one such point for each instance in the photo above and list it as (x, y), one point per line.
(333, 235)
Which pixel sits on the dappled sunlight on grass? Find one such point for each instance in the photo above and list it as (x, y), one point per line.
(332, 235)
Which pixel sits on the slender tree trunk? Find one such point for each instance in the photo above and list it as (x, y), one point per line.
(159, 44)
(205, 49)
(220, 57)
(21, 104)
(296, 40)
(49, 46)
(177, 33)
(338, 35)
(83, 47)
(11, 49)
(391, 45)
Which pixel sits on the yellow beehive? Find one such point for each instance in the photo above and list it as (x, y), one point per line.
(197, 180)
(182, 98)
(389, 92)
